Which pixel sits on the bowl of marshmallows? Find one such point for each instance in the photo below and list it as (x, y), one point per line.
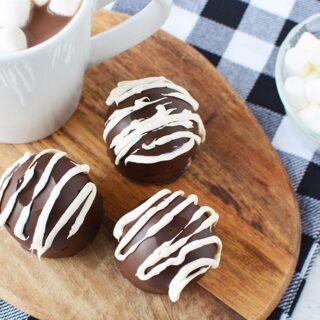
(298, 76)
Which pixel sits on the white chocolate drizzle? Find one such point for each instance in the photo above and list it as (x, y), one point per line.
(126, 89)
(85, 198)
(151, 266)
(88, 192)
(166, 116)
(25, 213)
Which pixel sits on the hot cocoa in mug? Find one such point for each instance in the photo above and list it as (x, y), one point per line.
(45, 49)
(26, 23)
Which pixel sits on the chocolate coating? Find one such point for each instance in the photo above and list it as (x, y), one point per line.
(61, 246)
(161, 171)
(160, 283)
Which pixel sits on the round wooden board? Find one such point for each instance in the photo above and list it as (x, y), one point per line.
(236, 171)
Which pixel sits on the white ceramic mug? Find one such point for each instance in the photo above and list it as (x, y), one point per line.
(40, 88)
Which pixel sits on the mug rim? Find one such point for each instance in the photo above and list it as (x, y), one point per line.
(68, 28)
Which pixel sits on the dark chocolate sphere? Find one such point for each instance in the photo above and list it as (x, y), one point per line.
(152, 130)
(163, 231)
(49, 204)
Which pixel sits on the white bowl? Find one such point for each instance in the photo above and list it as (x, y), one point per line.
(312, 25)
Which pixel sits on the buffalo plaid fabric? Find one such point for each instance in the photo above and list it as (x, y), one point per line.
(242, 39)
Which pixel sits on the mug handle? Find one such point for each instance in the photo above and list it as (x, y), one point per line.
(129, 33)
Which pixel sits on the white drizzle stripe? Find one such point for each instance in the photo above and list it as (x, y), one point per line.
(12, 201)
(80, 219)
(41, 154)
(165, 220)
(145, 217)
(137, 212)
(127, 89)
(45, 213)
(170, 247)
(163, 157)
(24, 216)
(173, 136)
(187, 98)
(194, 245)
(192, 269)
(185, 274)
(88, 193)
(204, 210)
(27, 178)
(120, 114)
(6, 177)
(139, 127)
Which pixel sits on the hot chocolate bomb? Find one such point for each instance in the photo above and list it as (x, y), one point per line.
(167, 242)
(49, 205)
(152, 131)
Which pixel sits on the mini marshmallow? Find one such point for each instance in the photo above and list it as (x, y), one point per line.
(295, 92)
(313, 91)
(311, 46)
(314, 56)
(40, 3)
(311, 117)
(12, 39)
(296, 62)
(307, 41)
(310, 76)
(64, 8)
(15, 12)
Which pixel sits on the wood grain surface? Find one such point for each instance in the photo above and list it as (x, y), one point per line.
(236, 171)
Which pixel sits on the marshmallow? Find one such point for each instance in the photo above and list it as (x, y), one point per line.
(296, 63)
(311, 117)
(295, 92)
(311, 76)
(307, 41)
(313, 91)
(65, 8)
(311, 46)
(40, 3)
(314, 56)
(15, 12)
(302, 87)
(12, 39)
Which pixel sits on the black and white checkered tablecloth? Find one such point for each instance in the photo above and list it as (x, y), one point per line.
(242, 39)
